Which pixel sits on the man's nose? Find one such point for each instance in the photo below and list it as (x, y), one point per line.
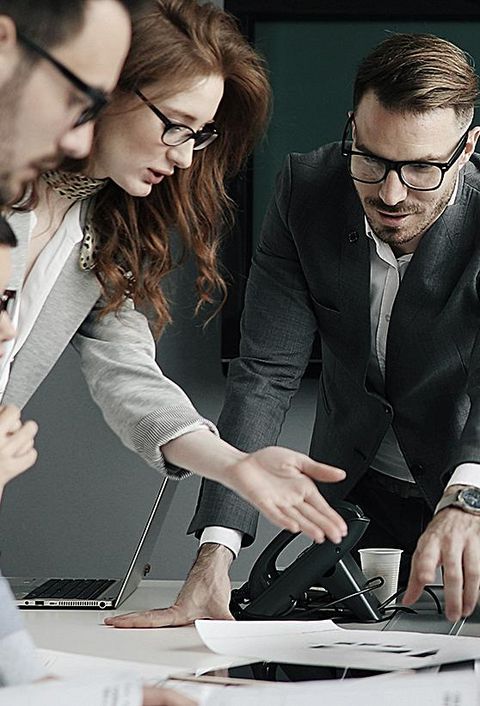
(77, 142)
(392, 191)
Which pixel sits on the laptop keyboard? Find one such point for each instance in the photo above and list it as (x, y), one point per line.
(71, 588)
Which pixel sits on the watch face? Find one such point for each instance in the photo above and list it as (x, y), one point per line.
(471, 497)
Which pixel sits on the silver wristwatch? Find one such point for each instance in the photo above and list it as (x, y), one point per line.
(466, 499)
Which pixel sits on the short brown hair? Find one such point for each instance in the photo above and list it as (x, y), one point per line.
(418, 73)
(52, 22)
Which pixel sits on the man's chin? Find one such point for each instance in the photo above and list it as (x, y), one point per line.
(13, 189)
(8, 190)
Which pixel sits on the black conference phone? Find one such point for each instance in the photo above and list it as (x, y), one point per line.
(327, 569)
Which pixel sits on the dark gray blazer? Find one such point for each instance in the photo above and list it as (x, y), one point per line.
(312, 272)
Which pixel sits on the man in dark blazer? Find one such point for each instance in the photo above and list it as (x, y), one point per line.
(375, 244)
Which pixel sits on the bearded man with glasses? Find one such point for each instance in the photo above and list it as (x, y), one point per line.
(374, 243)
(58, 63)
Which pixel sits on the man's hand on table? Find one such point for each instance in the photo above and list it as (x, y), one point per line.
(452, 541)
(205, 594)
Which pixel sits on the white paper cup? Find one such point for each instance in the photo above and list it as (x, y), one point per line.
(385, 563)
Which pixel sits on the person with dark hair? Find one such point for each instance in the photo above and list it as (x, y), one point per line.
(43, 100)
(374, 244)
(59, 61)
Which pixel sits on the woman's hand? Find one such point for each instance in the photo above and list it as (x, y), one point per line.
(16, 444)
(277, 481)
(280, 483)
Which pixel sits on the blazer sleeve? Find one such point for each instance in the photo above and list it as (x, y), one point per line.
(140, 404)
(277, 332)
(467, 450)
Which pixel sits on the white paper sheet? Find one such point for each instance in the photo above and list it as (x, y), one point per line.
(323, 643)
(402, 690)
(67, 665)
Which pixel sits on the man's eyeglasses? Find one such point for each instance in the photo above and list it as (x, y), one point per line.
(420, 176)
(175, 134)
(98, 99)
(7, 300)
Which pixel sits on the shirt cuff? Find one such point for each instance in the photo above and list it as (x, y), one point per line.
(230, 538)
(466, 474)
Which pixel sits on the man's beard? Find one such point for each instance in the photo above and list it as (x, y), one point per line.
(10, 95)
(401, 236)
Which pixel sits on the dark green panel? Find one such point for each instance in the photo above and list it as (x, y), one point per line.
(312, 66)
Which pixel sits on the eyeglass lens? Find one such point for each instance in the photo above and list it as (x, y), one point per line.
(175, 134)
(179, 134)
(418, 176)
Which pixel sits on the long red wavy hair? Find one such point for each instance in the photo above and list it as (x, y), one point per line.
(174, 43)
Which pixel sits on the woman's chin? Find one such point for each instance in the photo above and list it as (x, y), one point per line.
(135, 187)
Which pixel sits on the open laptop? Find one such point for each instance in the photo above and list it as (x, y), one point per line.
(98, 592)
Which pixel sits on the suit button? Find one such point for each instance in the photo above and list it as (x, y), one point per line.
(353, 236)
(417, 469)
(387, 409)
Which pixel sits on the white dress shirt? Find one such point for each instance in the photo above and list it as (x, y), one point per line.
(43, 275)
(386, 274)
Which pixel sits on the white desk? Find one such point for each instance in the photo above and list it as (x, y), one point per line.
(83, 632)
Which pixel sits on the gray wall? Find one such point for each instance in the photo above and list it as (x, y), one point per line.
(81, 508)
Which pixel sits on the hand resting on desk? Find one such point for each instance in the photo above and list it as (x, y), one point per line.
(205, 594)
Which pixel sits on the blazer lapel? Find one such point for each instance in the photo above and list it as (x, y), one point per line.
(354, 280)
(68, 304)
(427, 278)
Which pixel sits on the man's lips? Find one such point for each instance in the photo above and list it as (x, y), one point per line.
(392, 218)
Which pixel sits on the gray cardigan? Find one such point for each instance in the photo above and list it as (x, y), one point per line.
(117, 356)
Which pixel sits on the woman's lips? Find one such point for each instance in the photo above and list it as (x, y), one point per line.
(154, 177)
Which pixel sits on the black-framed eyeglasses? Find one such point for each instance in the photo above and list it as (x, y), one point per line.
(175, 134)
(420, 176)
(7, 300)
(98, 99)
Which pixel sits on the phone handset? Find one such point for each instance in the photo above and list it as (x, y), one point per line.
(272, 592)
